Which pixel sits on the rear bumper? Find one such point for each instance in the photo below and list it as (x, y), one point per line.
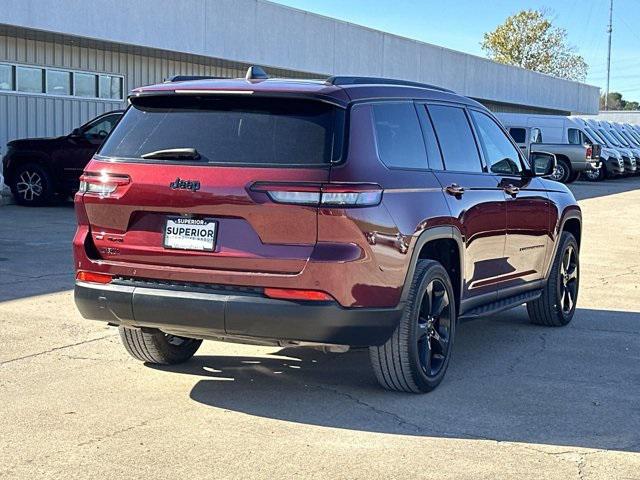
(585, 165)
(205, 313)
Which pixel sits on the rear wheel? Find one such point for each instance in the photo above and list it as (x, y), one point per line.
(32, 185)
(562, 171)
(154, 346)
(415, 358)
(557, 304)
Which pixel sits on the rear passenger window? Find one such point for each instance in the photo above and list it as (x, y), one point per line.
(398, 136)
(519, 135)
(574, 136)
(499, 153)
(456, 139)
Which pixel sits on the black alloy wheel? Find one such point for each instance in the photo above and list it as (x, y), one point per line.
(434, 329)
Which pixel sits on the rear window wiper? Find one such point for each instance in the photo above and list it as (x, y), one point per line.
(173, 154)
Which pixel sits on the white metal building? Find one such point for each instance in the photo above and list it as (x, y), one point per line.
(63, 62)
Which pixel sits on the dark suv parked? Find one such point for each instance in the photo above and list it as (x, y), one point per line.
(35, 169)
(353, 212)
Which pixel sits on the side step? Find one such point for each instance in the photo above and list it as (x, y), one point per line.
(500, 305)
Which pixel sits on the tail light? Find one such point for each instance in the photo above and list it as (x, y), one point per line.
(323, 195)
(589, 152)
(101, 183)
(293, 294)
(93, 277)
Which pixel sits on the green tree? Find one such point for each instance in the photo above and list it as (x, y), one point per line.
(529, 40)
(616, 102)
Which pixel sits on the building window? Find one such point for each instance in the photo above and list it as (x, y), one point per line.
(6, 77)
(110, 87)
(58, 82)
(29, 79)
(85, 85)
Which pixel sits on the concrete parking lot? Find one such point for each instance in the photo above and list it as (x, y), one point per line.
(519, 400)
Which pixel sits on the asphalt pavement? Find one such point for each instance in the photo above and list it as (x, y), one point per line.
(519, 400)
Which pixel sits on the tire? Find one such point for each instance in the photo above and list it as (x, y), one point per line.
(416, 356)
(595, 175)
(573, 176)
(154, 346)
(31, 185)
(557, 304)
(562, 172)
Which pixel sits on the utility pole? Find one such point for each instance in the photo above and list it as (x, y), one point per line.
(609, 30)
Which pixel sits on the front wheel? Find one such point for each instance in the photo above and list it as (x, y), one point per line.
(154, 346)
(596, 175)
(415, 358)
(557, 304)
(32, 185)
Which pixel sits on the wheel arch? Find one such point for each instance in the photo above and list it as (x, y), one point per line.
(445, 245)
(21, 158)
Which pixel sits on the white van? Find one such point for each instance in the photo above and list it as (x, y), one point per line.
(562, 136)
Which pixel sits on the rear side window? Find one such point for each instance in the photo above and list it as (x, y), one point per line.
(398, 136)
(456, 139)
(519, 135)
(248, 131)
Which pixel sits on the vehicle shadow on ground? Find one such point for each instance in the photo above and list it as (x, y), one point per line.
(583, 190)
(509, 381)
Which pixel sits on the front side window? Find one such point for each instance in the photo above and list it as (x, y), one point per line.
(58, 82)
(574, 136)
(500, 154)
(230, 130)
(85, 85)
(456, 138)
(102, 127)
(6, 77)
(398, 135)
(29, 79)
(519, 135)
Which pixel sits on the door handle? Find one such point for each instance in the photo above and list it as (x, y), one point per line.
(512, 190)
(454, 189)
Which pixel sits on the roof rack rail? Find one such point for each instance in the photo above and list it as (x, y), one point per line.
(185, 78)
(353, 80)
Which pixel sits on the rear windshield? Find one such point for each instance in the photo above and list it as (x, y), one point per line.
(249, 131)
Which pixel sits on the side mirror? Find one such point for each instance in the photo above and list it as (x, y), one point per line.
(542, 164)
(76, 132)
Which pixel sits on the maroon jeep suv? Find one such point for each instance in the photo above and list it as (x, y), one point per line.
(347, 212)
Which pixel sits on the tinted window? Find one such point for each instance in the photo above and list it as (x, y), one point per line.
(225, 130)
(500, 154)
(29, 79)
(434, 156)
(398, 135)
(519, 135)
(456, 139)
(102, 127)
(85, 85)
(58, 82)
(6, 77)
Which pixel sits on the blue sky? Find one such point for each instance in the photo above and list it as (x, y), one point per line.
(460, 24)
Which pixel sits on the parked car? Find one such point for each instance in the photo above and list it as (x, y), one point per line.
(552, 133)
(612, 142)
(612, 163)
(36, 169)
(632, 139)
(348, 212)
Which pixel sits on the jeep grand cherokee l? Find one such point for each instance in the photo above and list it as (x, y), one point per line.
(353, 212)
